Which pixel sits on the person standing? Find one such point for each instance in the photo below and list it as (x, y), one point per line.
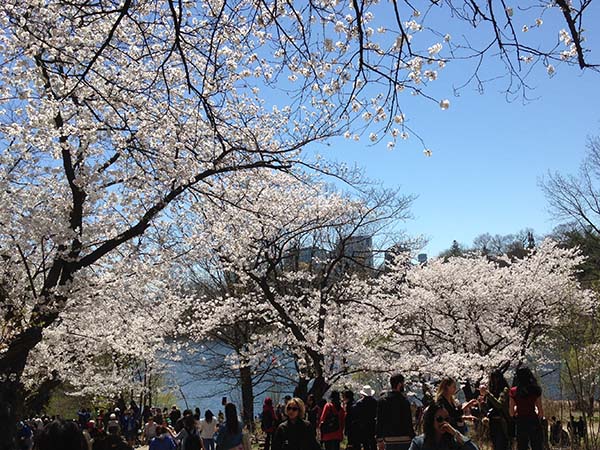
(24, 436)
(394, 427)
(174, 415)
(129, 426)
(496, 398)
(146, 413)
(295, 433)
(113, 426)
(149, 430)
(61, 434)
(313, 413)
(526, 406)
(268, 421)
(365, 411)
(83, 417)
(163, 440)
(351, 425)
(208, 428)
(572, 428)
(230, 433)
(331, 423)
(445, 395)
(188, 437)
(439, 434)
(581, 429)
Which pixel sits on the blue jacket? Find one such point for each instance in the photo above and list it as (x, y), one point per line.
(163, 442)
(225, 440)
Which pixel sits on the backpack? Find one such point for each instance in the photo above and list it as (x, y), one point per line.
(331, 422)
(266, 421)
(191, 441)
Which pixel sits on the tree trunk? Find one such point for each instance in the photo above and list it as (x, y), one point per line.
(36, 401)
(247, 397)
(11, 400)
(150, 404)
(12, 364)
(319, 388)
(301, 390)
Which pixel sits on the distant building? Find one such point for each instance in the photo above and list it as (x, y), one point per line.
(358, 251)
(307, 257)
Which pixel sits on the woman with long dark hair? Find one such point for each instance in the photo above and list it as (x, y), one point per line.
(313, 413)
(526, 406)
(438, 433)
(350, 422)
(332, 422)
(62, 434)
(230, 433)
(208, 428)
(496, 398)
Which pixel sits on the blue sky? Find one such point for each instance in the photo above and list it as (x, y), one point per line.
(488, 153)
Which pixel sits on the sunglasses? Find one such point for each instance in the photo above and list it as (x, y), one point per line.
(291, 408)
(441, 419)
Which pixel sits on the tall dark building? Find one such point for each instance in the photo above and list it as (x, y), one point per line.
(359, 251)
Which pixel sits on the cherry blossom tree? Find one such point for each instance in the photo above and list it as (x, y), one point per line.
(223, 349)
(116, 115)
(287, 250)
(468, 315)
(112, 335)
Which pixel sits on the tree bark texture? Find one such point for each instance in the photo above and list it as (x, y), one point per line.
(247, 397)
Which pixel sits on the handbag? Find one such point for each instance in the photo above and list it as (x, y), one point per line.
(330, 424)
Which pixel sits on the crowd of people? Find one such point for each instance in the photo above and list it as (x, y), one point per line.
(501, 413)
(370, 422)
(126, 428)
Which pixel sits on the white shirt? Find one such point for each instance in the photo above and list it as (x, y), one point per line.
(208, 430)
(150, 430)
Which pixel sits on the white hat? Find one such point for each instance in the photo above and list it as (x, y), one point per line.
(367, 391)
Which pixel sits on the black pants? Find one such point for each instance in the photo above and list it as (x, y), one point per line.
(332, 445)
(529, 432)
(363, 444)
(268, 441)
(500, 440)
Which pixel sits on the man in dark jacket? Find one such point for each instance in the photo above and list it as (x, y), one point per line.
(364, 413)
(394, 429)
(174, 415)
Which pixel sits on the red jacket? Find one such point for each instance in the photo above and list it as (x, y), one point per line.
(337, 435)
(268, 410)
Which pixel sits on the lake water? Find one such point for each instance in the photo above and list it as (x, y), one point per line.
(195, 382)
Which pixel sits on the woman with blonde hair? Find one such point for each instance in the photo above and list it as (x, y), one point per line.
(445, 396)
(295, 433)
